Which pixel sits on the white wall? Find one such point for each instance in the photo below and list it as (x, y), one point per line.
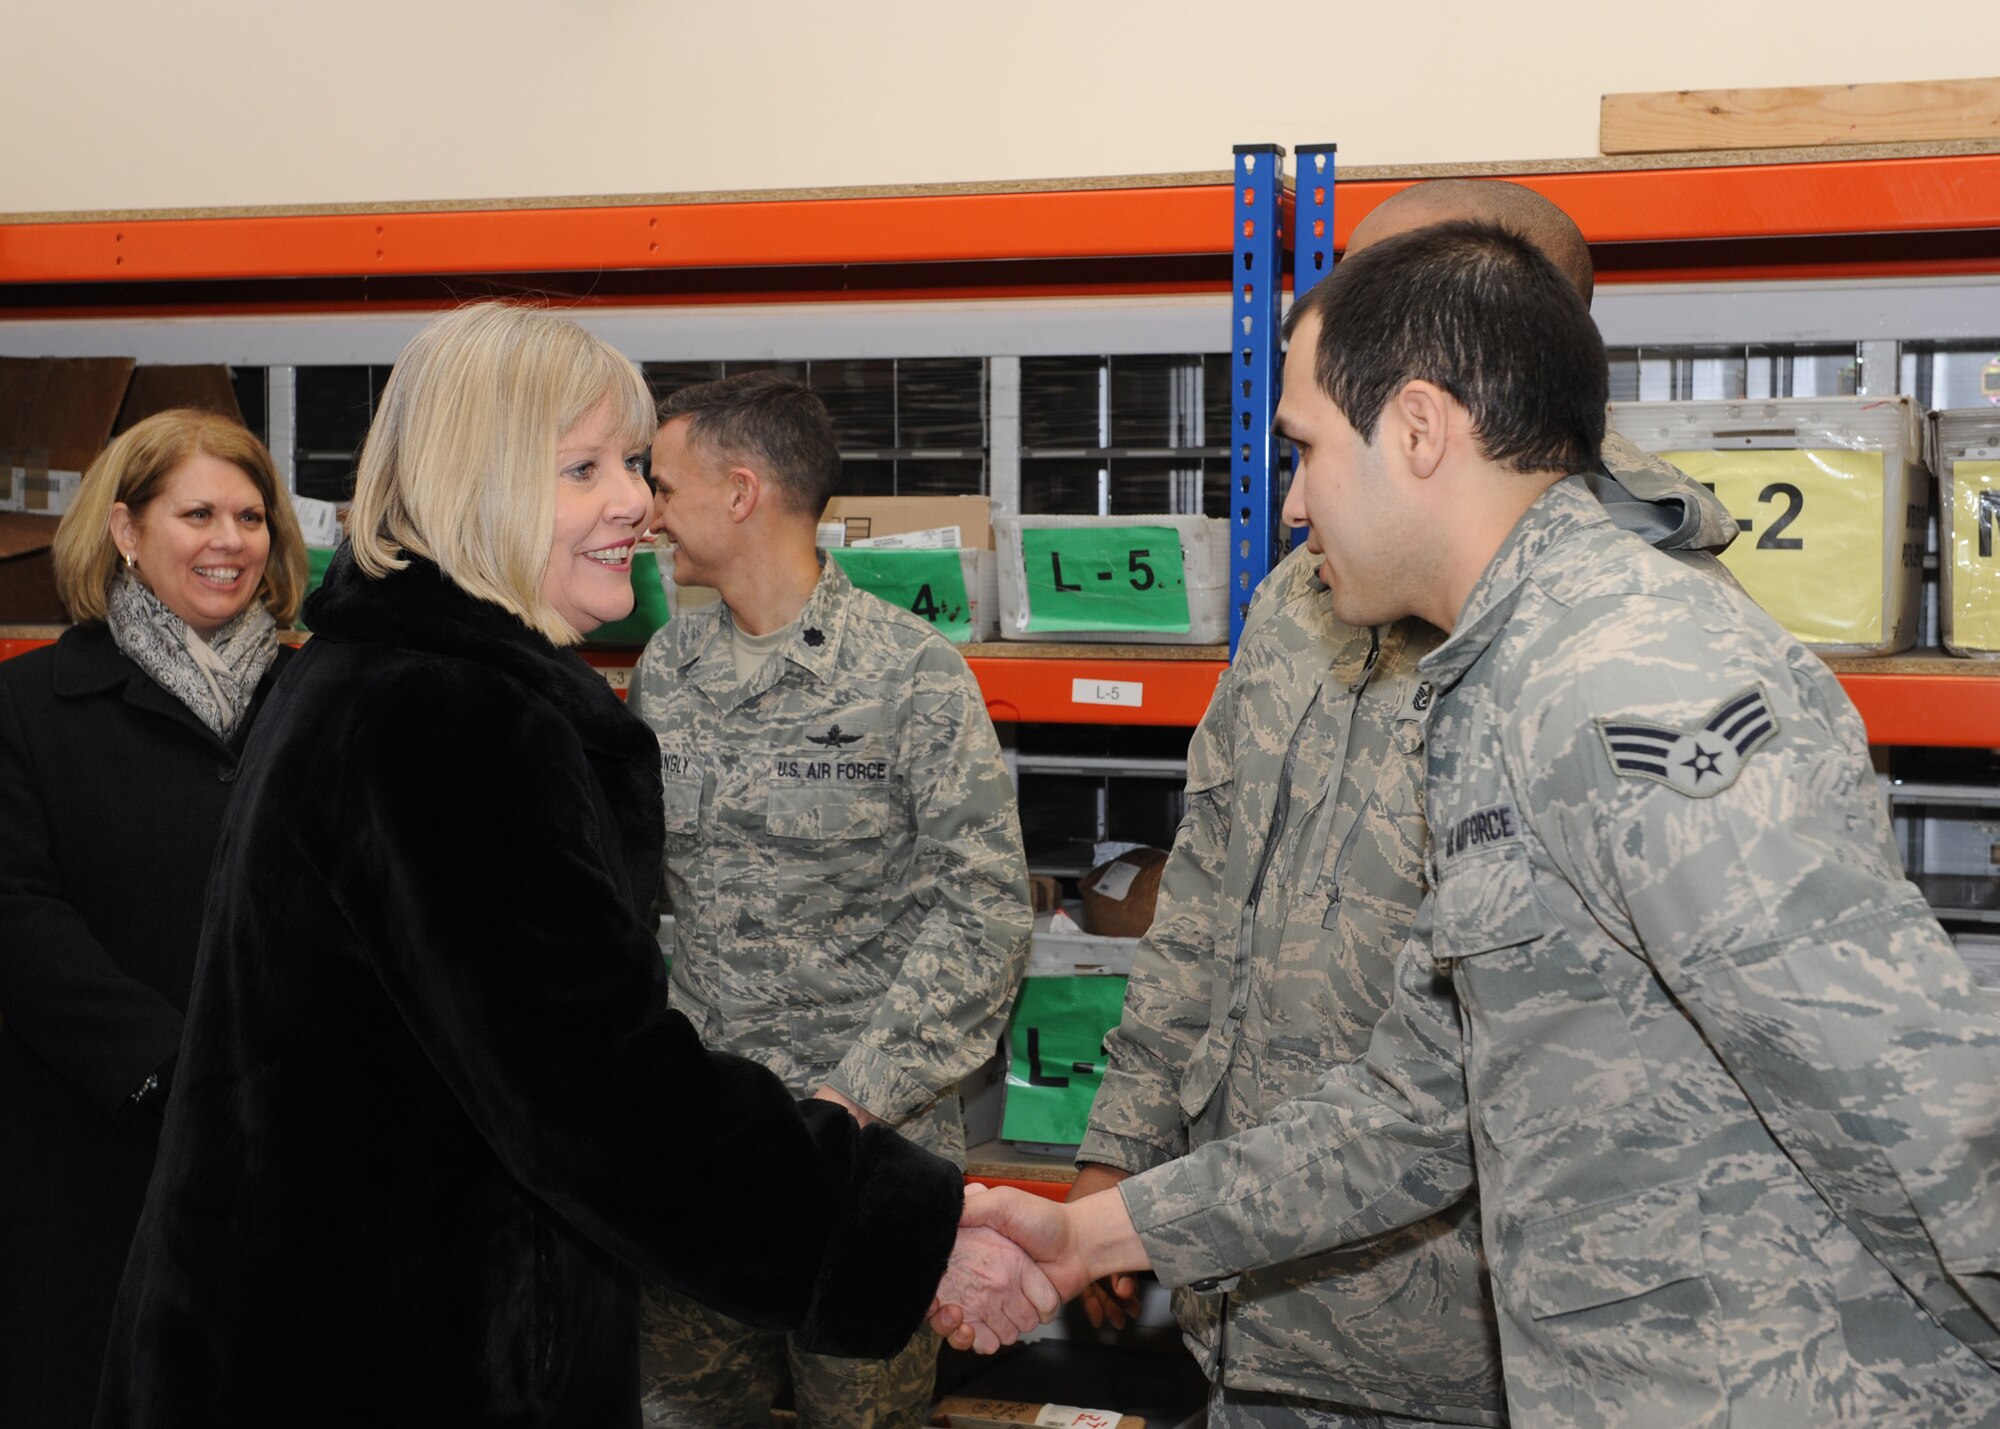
(136, 104)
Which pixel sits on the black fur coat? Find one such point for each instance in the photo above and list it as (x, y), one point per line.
(431, 1116)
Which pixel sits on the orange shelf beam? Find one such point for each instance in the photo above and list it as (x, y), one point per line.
(1070, 223)
(1934, 194)
(1083, 691)
(1945, 711)
(1860, 196)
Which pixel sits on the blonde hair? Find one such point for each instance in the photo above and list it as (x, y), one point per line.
(460, 464)
(133, 469)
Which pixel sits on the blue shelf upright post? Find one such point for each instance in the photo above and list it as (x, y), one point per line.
(1312, 217)
(1257, 276)
(1312, 260)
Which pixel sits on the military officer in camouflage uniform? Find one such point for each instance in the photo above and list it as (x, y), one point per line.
(843, 854)
(1733, 1100)
(1291, 886)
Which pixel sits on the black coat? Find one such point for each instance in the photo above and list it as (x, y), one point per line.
(431, 1116)
(111, 798)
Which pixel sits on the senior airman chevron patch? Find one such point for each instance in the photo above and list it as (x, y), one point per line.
(1698, 762)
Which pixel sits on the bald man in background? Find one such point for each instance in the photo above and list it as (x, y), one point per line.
(1295, 875)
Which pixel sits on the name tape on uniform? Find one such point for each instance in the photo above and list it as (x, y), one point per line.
(1104, 578)
(817, 770)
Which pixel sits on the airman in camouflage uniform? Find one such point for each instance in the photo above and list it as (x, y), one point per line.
(850, 908)
(1733, 1100)
(1291, 887)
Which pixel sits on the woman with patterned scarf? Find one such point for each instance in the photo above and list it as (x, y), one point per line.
(180, 560)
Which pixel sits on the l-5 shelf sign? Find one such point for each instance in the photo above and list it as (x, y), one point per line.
(1104, 578)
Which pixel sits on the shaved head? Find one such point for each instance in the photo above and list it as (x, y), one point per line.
(1519, 210)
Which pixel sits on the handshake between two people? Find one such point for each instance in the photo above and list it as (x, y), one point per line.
(1019, 1258)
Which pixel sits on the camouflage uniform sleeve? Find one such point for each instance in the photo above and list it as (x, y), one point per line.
(967, 928)
(1763, 888)
(1136, 1120)
(1381, 1142)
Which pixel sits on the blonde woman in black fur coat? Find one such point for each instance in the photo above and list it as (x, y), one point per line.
(431, 1117)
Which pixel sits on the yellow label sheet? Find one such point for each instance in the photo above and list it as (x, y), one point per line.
(1972, 619)
(1811, 548)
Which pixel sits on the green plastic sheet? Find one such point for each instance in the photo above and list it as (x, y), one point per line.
(928, 584)
(1104, 578)
(1056, 1056)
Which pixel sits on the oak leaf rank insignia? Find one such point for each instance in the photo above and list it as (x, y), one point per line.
(1696, 762)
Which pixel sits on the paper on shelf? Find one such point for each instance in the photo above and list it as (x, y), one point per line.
(937, 538)
(1116, 881)
(319, 521)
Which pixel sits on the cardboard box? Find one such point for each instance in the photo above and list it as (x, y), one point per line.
(27, 573)
(963, 1412)
(58, 413)
(205, 385)
(872, 517)
(1832, 497)
(1160, 580)
(1965, 453)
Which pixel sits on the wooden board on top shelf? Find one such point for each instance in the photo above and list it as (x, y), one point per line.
(1912, 112)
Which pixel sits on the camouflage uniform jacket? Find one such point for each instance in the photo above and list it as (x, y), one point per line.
(843, 855)
(1271, 957)
(1733, 1100)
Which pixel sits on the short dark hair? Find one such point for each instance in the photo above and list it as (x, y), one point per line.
(1484, 314)
(770, 421)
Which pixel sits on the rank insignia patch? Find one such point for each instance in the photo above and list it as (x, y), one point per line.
(1698, 762)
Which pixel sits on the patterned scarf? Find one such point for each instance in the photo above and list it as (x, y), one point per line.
(215, 678)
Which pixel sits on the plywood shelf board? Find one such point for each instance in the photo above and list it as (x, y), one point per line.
(1923, 111)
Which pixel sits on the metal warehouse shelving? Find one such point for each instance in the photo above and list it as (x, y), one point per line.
(1689, 248)
(1707, 223)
